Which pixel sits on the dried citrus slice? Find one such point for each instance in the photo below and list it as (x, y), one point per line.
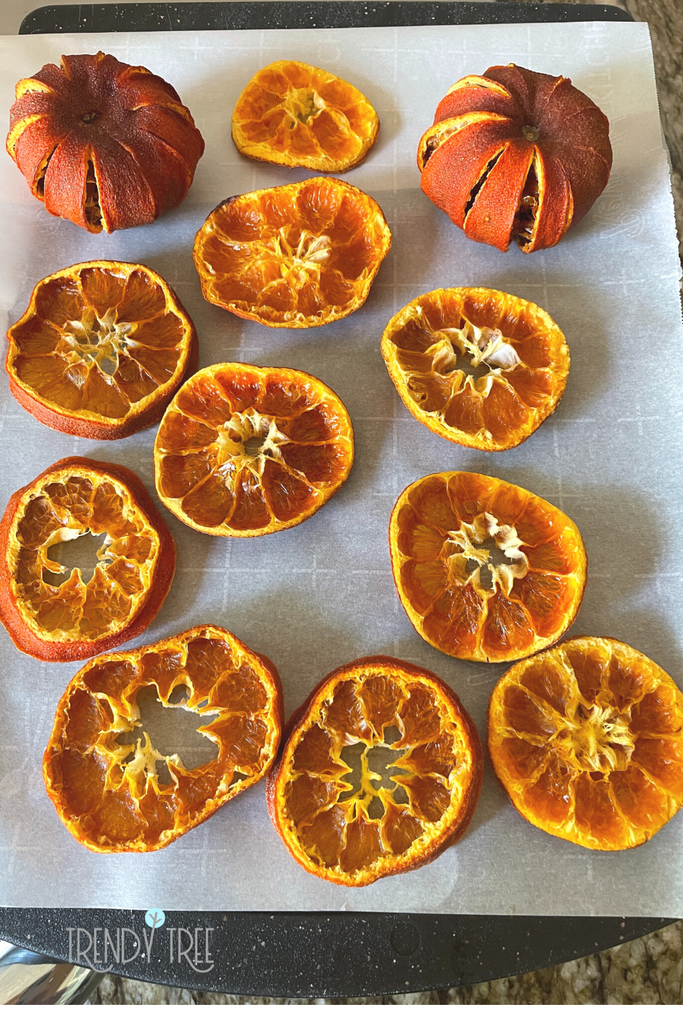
(477, 366)
(485, 571)
(294, 114)
(68, 619)
(247, 450)
(587, 740)
(107, 790)
(100, 350)
(298, 255)
(379, 773)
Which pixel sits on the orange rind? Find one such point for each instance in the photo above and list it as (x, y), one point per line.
(352, 826)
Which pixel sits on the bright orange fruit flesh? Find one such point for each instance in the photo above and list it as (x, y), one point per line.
(63, 620)
(301, 116)
(485, 571)
(379, 773)
(107, 791)
(476, 366)
(298, 255)
(100, 350)
(248, 450)
(587, 740)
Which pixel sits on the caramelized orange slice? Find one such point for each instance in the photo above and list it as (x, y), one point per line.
(100, 349)
(106, 785)
(379, 773)
(485, 571)
(247, 450)
(298, 255)
(587, 739)
(477, 366)
(294, 114)
(66, 619)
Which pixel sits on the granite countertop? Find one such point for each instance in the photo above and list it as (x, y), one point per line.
(647, 970)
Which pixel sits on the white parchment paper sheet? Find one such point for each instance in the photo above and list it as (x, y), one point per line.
(320, 595)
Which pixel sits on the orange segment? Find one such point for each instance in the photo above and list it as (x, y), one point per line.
(485, 570)
(380, 772)
(585, 738)
(297, 255)
(247, 450)
(476, 366)
(62, 620)
(294, 114)
(108, 792)
(100, 350)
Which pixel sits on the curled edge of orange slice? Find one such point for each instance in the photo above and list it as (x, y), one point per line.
(298, 256)
(78, 368)
(418, 829)
(130, 584)
(211, 480)
(442, 532)
(319, 112)
(450, 336)
(586, 738)
(108, 793)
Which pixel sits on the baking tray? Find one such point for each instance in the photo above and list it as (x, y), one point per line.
(304, 954)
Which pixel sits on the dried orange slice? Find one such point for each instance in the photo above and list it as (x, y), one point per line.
(587, 739)
(485, 571)
(298, 255)
(247, 450)
(108, 791)
(100, 350)
(68, 619)
(294, 114)
(477, 366)
(379, 773)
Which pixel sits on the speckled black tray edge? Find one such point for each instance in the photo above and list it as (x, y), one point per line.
(165, 17)
(288, 954)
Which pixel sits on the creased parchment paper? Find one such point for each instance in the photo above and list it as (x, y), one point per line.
(317, 596)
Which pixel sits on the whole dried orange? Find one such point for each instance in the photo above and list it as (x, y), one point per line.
(295, 114)
(69, 619)
(485, 571)
(515, 154)
(101, 349)
(102, 143)
(587, 739)
(476, 366)
(247, 450)
(107, 789)
(297, 255)
(379, 773)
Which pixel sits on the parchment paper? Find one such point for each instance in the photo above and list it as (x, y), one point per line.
(321, 594)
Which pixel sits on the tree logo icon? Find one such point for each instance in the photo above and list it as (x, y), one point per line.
(154, 917)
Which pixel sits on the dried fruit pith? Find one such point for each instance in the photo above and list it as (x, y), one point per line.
(587, 740)
(68, 619)
(353, 827)
(108, 792)
(100, 350)
(301, 116)
(477, 366)
(485, 570)
(298, 255)
(102, 143)
(515, 155)
(248, 450)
